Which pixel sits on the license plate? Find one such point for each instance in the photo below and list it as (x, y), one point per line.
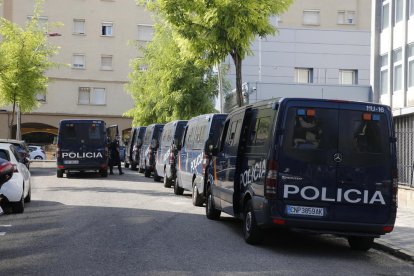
(70, 162)
(305, 211)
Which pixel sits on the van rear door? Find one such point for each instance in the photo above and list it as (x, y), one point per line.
(82, 144)
(335, 162)
(364, 164)
(307, 170)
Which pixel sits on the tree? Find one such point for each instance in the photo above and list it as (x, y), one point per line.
(214, 29)
(166, 85)
(25, 54)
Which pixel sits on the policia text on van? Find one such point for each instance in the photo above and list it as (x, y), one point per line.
(315, 165)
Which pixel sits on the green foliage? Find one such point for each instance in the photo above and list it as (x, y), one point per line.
(213, 29)
(173, 86)
(24, 56)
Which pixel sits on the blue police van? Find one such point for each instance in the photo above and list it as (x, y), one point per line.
(82, 145)
(200, 133)
(149, 148)
(316, 165)
(165, 165)
(133, 147)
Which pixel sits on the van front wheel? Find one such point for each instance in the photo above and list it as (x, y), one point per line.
(197, 199)
(211, 211)
(361, 243)
(252, 232)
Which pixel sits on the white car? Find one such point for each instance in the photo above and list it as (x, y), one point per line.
(37, 153)
(16, 190)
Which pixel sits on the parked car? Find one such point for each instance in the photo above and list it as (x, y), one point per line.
(37, 153)
(6, 172)
(22, 149)
(149, 148)
(165, 165)
(133, 147)
(200, 133)
(318, 165)
(17, 190)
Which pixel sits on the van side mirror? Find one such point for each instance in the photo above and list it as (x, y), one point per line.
(178, 147)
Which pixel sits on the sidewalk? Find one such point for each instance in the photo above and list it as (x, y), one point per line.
(400, 242)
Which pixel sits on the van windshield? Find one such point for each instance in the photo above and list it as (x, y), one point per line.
(216, 128)
(87, 133)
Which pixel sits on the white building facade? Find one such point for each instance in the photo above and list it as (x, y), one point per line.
(95, 53)
(392, 74)
(323, 44)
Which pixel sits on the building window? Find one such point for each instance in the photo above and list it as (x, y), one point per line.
(41, 97)
(311, 17)
(106, 62)
(303, 75)
(398, 10)
(78, 61)
(92, 96)
(107, 29)
(411, 65)
(411, 7)
(348, 77)
(42, 22)
(145, 32)
(346, 17)
(79, 26)
(384, 75)
(385, 16)
(397, 57)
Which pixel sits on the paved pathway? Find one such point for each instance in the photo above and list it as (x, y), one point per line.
(400, 242)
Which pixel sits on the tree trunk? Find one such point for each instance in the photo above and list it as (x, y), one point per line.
(12, 121)
(238, 64)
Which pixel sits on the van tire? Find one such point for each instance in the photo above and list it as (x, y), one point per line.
(177, 189)
(147, 172)
(103, 173)
(252, 232)
(126, 165)
(134, 167)
(211, 211)
(167, 181)
(28, 198)
(59, 173)
(157, 178)
(18, 207)
(361, 243)
(197, 198)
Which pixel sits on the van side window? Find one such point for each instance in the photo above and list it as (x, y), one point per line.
(367, 137)
(224, 138)
(262, 131)
(307, 133)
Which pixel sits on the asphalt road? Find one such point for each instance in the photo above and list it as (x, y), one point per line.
(131, 225)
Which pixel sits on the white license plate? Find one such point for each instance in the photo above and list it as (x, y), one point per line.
(305, 211)
(70, 162)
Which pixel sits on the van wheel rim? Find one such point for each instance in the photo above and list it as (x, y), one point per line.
(248, 222)
(194, 192)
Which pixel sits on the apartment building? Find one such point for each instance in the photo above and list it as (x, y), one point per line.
(95, 54)
(392, 73)
(322, 46)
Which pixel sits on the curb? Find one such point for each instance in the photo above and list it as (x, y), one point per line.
(394, 250)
